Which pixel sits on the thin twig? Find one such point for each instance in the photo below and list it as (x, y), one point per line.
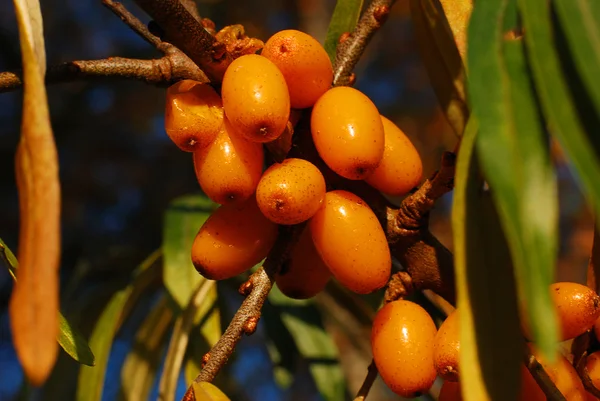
(135, 24)
(367, 383)
(541, 377)
(350, 51)
(162, 72)
(187, 33)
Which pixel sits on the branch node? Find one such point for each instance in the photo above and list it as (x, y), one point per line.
(246, 287)
(381, 14)
(251, 325)
(400, 286)
(205, 359)
(343, 37)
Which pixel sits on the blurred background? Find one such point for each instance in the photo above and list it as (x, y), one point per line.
(119, 171)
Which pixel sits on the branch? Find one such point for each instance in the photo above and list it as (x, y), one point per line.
(135, 24)
(165, 71)
(541, 377)
(246, 318)
(187, 33)
(352, 48)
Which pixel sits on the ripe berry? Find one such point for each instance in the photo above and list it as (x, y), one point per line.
(233, 239)
(303, 62)
(401, 340)
(593, 368)
(577, 308)
(290, 192)
(348, 132)
(193, 114)
(228, 170)
(351, 242)
(446, 349)
(450, 391)
(305, 274)
(256, 98)
(401, 168)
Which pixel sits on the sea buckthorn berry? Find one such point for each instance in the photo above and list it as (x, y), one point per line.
(348, 132)
(446, 349)
(229, 169)
(401, 340)
(256, 98)
(577, 307)
(401, 168)
(351, 242)
(233, 239)
(193, 115)
(450, 391)
(290, 192)
(593, 368)
(590, 397)
(305, 274)
(303, 62)
(562, 373)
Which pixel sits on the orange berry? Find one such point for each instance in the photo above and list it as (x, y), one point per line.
(229, 169)
(446, 349)
(562, 373)
(305, 274)
(233, 239)
(450, 391)
(590, 397)
(348, 132)
(577, 307)
(401, 168)
(256, 98)
(401, 340)
(593, 368)
(351, 242)
(290, 192)
(193, 115)
(303, 62)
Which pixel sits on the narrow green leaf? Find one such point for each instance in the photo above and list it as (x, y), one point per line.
(142, 362)
(73, 343)
(183, 219)
(91, 379)
(303, 321)
(557, 101)
(490, 335)
(344, 19)
(179, 341)
(580, 19)
(514, 156)
(69, 338)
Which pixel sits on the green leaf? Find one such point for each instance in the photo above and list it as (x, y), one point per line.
(73, 343)
(441, 56)
(69, 338)
(142, 362)
(91, 380)
(513, 152)
(303, 321)
(344, 19)
(580, 19)
(179, 341)
(557, 100)
(183, 219)
(490, 336)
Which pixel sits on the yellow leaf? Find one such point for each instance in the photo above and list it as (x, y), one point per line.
(34, 301)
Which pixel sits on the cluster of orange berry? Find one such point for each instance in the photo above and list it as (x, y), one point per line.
(421, 353)
(261, 98)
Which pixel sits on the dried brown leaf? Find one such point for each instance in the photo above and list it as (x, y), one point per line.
(34, 301)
